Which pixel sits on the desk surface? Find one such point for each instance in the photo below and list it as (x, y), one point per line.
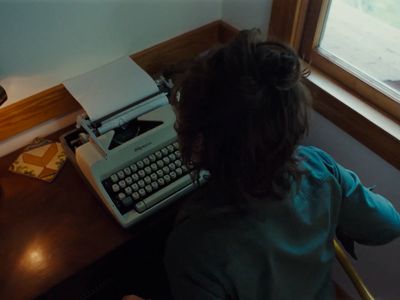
(48, 232)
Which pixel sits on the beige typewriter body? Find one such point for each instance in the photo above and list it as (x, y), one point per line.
(96, 168)
(125, 143)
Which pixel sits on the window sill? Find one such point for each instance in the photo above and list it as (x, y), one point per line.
(347, 110)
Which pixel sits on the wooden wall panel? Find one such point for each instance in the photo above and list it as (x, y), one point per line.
(34, 110)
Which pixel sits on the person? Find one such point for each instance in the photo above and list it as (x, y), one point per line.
(263, 225)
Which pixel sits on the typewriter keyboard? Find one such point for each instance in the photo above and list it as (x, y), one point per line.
(135, 186)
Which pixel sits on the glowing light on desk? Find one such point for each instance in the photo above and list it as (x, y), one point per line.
(34, 259)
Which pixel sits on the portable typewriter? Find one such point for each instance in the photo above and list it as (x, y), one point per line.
(129, 156)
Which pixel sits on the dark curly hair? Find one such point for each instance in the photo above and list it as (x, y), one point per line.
(241, 111)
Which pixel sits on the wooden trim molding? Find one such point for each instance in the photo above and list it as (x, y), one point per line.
(372, 91)
(312, 26)
(353, 111)
(293, 13)
(34, 110)
(56, 102)
(348, 111)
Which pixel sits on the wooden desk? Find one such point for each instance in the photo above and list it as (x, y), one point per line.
(50, 231)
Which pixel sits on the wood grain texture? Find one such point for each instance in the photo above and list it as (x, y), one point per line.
(57, 102)
(371, 90)
(49, 232)
(286, 24)
(373, 93)
(287, 20)
(312, 26)
(44, 106)
(357, 125)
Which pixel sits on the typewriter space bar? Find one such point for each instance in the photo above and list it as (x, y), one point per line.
(167, 191)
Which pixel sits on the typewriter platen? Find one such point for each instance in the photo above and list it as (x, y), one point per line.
(133, 165)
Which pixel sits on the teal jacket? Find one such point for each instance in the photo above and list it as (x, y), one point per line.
(276, 249)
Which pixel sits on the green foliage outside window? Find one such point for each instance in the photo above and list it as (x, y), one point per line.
(387, 11)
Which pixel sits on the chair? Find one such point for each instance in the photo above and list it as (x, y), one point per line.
(347, 266)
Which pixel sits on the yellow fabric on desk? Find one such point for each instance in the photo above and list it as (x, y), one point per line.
(43, 160)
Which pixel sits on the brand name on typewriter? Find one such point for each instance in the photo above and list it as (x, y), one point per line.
(143, 146)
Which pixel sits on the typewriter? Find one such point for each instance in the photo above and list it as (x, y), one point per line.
(130, 156)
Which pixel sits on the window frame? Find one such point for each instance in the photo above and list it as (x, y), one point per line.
(370, 89)
(307, 18)
(362, 111)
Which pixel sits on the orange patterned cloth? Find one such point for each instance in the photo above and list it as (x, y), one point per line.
(42, 162)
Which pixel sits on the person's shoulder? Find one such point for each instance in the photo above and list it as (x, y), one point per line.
(316, 161)
(313, 152)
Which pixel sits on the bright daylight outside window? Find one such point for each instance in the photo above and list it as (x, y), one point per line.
(364, 36)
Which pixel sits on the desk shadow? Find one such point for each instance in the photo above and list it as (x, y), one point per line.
(134, 268)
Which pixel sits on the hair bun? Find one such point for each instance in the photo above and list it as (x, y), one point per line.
(278, 65)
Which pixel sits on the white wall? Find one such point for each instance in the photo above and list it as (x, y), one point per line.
(378, 266)
(45, 42)
(247, 14)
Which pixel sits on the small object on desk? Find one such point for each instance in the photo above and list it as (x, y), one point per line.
(3, 95)
(43, 159)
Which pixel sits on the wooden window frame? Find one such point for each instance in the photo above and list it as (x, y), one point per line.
(299, 23)
(373, 92)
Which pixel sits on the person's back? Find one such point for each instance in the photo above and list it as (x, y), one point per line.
(275, 249)
(264, 224)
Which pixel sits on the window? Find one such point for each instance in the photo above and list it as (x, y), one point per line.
(364, 37)
(356, 42)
